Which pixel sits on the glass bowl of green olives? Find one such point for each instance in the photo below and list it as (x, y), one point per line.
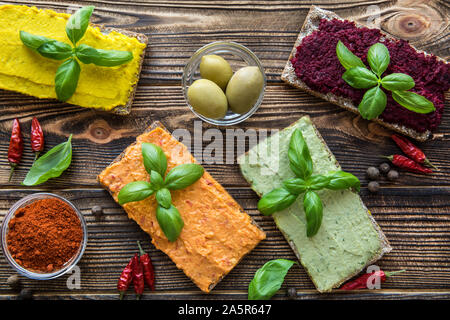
(224, 83)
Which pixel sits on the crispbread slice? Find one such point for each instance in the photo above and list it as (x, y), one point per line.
(142, 38)
(218, 192)
(385, 245)
(383, 241)
(288, 75)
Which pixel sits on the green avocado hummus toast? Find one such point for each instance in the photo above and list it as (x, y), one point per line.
(349, 238)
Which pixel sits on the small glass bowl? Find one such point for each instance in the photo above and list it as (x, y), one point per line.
(237, 56)
(33, 274)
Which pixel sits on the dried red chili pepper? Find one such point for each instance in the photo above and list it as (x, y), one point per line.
(125, 278)
(361, 282)
(138, 276)
(15, 150)
(149, 273)
(411, 150)
(37, 137)
(408, 164)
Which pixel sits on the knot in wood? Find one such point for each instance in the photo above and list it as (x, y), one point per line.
(100, 130)
(413, 24)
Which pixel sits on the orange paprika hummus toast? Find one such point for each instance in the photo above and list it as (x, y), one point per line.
(217, 233)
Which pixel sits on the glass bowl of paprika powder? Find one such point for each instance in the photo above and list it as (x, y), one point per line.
(43, 236)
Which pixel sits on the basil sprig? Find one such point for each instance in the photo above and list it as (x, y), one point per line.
(68, 73)
(50, 165)
(374, 100)
(180, 177)
(268, 279)
(305, 183)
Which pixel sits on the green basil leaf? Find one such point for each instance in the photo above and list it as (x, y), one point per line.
(318, 182)
(373, 103)
(156, 180)
(342, 180)
(299, 157)
(314, 212)
(295, 186)
(135, 191)
(66, 79)
(276, 200)
(413, 101)
(268, 279)
(50, 165)
(378, 58)
(360, 78)
(78, 23)
(104, 58)
(183, 176)
(154, 158)
(55, 50)
(32, 41)
(347, 58)
(398, 81)
(170, 221)
(164, 198)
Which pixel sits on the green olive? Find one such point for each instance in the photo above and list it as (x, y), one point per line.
(216, 69)
(207, 99)
(244, 88)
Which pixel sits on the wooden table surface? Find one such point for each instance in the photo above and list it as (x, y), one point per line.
(414, 212)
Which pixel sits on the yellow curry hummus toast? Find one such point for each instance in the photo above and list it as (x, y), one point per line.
(217, 233)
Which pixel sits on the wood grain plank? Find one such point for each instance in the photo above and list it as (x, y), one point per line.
(415, 221)
(413, 212)
(224, 295)
(100, 137)
(177, 30)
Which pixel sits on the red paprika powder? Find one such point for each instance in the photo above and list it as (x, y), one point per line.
(44, 235)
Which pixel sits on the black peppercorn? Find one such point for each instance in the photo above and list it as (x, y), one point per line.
(373, 186)
(373, 173)
(385, 167)
(392, 175)
(25, 294)
(292, 293)
(13, 281)
(97, 211)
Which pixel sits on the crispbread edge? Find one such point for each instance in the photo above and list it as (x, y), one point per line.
(288, 75)
(158, 124)
(385, 246)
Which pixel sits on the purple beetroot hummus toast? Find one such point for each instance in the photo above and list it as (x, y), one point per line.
(314, 67)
